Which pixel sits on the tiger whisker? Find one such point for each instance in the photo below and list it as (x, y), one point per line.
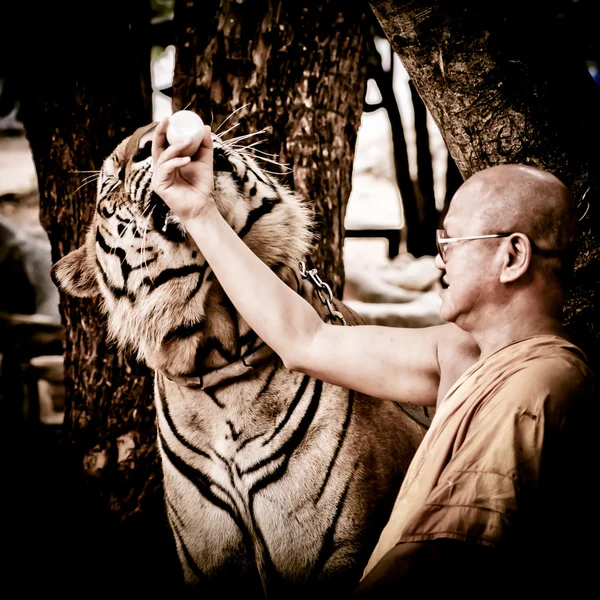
(81, 186)
(257, 143)
(262, 152)
(243, 137)
(89, 179)
(220, 136)
(121, 200)
(241, 147)
(92, 176)
(283, 166)
(276, 172)
(231, 115)
(273, 162)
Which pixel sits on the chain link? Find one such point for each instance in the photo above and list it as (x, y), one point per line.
(323, 291)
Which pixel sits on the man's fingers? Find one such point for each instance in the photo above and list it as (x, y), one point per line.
(168, 167)
(167, 159)
(205, 152)
(172, 152)
(159, 141)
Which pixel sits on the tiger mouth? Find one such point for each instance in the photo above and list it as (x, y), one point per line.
(165, 222)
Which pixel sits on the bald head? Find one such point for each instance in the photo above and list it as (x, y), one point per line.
(522, 198)
(508, 198)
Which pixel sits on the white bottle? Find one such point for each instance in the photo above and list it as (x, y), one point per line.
(185, 124)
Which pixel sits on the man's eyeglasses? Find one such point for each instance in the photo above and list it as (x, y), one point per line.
(442, 241)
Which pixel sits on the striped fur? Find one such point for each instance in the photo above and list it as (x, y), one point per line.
(276, 484)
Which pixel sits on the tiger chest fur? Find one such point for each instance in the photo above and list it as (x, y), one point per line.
(274, 481)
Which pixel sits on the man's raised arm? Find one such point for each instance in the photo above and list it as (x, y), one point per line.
(389, 363)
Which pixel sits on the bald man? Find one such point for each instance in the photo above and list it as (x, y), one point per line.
(504, 376)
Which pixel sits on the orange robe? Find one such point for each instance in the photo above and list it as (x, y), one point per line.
(491, 438)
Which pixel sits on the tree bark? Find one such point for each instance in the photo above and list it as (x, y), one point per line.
(296, 70)
(82, 88)
(503, 89)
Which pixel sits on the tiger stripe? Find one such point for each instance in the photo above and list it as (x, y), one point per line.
(275, 464)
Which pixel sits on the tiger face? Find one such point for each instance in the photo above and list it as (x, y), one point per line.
(153, 280)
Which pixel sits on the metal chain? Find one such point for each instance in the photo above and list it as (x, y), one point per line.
(323, 291)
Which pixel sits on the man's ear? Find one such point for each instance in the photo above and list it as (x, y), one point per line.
(73, 275)
(517, 258)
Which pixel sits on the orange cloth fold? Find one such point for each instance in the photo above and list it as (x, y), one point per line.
(479, 464)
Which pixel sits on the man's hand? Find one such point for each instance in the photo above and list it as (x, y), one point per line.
(185, 184)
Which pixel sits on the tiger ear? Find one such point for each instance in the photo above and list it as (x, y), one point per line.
(73, 275)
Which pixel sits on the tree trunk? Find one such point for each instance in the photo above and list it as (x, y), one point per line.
(423, 239)
(82, 91)
(296, 70)
(503, 89)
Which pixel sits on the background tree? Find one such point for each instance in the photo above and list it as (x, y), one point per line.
(420, 215)
(384, 79)
(504, 84)
(83, 82)
(296, 70)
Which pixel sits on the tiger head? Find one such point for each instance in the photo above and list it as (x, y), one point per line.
(158, 292)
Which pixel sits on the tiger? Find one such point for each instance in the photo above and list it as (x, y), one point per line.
(275, 483)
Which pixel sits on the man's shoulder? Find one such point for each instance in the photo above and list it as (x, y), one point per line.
(457, 351)
(557, 364)
(555, 380)
(450, 336)
(455, 345)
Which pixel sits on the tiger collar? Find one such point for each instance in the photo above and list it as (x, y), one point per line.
(224, 374)
(260, 355)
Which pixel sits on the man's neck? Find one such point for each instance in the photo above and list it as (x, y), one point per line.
(515, 321)
(490, 344)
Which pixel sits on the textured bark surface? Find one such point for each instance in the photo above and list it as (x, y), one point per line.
(503, 88)
(73, 120)
(297, 71)
(82, 92)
